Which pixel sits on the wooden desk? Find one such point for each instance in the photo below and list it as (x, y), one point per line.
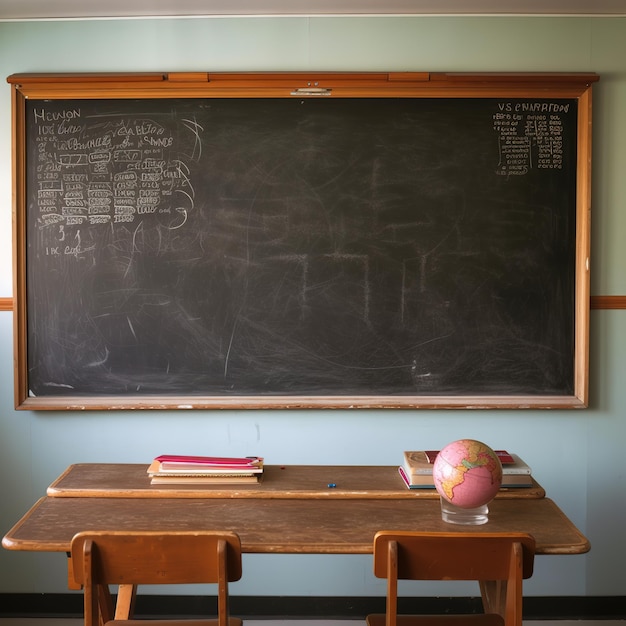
(295, 526)
(123, 480)
(293, 511)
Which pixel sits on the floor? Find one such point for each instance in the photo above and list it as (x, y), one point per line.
(75, 622)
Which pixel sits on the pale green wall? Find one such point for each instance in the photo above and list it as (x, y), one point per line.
(577, 456)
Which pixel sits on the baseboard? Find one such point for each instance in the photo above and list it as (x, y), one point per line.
(304, 607)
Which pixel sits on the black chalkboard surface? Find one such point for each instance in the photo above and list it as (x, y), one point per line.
(301, 247)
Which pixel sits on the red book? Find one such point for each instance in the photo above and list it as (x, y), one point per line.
(209, 460)
(172, 464)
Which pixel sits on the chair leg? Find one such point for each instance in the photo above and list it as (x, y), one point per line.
(126, 595)
(105, 604)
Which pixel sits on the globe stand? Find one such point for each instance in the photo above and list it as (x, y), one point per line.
(467, 517)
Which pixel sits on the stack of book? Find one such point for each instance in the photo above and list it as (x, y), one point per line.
(417, 470)
(181, 469)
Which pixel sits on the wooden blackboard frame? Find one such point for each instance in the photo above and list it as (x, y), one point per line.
(576, 86)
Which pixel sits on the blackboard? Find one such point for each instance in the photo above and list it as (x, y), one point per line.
(272, 251)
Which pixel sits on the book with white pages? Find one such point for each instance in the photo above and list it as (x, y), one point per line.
(517, 467)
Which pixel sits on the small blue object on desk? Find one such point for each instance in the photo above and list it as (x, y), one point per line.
(332, 485)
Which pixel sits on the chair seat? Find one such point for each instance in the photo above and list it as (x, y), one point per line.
(480, 619)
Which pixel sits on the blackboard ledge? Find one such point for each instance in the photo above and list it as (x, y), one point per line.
(105, 403)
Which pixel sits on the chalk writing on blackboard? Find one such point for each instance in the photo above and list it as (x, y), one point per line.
(530, 135)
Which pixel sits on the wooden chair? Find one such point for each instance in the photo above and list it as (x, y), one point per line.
(498, 561)
(103, 558)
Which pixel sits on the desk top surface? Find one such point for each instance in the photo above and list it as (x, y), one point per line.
(304, 526)
(124, 480)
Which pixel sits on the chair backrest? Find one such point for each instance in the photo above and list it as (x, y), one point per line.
(101, 558)
(407, 555)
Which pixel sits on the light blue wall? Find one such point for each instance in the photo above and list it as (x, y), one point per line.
(577, 456)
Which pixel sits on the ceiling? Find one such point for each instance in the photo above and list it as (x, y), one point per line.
(75, 9)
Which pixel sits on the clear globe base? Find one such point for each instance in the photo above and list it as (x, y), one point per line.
(467, 517)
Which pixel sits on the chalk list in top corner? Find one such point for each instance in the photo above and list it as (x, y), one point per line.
(531, 134)
(106, 164)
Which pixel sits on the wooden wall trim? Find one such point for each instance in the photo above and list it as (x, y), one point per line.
(6, 304)
(608, 302)
(596, 302)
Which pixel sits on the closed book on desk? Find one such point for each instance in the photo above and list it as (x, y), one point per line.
(421, 462)
(518, 466)
(217, 479)
(505, 457)
(181, 467)
(416, 463)
(516, 480)
(175, 460)
(425, 481)
(182, 463)
(418, 481)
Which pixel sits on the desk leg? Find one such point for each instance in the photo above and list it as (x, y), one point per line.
(71, 583)
(126, 595)
(493, 593)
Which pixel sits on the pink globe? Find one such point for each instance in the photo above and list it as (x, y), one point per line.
(467, 473)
